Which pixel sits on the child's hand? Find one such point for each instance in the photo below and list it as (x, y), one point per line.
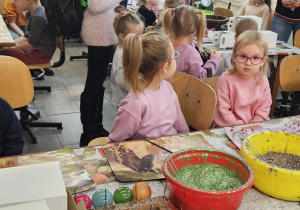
(215, 53)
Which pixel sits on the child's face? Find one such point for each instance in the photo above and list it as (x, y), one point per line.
(22, 5)
(248, 69)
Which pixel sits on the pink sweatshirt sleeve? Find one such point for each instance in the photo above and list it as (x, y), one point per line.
(263, 110)
(213, 62)
(124, 127)
(224, 115)
(196, 62)
(180, 124)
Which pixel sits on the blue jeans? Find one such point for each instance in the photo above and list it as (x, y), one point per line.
(284, 28)
(14, 34)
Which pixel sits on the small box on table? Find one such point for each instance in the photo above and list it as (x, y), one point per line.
(31, 183)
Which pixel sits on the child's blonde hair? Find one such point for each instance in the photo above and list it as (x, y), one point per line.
(173, 3)
(249, 38)
(143, 56)
(183, 21)
(245, 24)
(124, 18)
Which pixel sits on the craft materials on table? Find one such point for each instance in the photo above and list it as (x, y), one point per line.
(76, 178)
(142, 160)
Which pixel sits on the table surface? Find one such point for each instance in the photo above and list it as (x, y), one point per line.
(253, 199)
(5, 36)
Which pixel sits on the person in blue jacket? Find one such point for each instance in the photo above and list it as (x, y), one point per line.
(11, 132)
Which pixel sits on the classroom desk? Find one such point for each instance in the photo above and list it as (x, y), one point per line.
(253, 199)
(6, 39)
(278, 53)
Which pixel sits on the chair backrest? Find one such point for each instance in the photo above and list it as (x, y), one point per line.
(297, 39)
(289, 75)
(16, 85)
(271, 15)
(223, 12)
(197, 100)
(211, 81)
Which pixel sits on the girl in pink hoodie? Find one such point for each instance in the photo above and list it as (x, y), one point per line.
(243, 93)
(183, 24)
(151, 108)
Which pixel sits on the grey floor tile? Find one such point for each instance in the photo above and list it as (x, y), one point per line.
(109, 113)
(45, 143)
(72, 128)
(52, 81)
(108, 126)
(57, 102)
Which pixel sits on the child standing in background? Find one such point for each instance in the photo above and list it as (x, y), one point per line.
(244, 24)
(243, 93)
(182, 24)
(124, 23)
(259, 8)
(146, 11)
(15, 19)
(151, 108)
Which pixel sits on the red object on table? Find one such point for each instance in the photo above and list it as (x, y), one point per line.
(85, 198)
(189, 198)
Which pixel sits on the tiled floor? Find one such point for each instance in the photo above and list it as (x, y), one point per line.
(62, 104)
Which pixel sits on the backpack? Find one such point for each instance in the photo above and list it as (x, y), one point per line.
(64, 16)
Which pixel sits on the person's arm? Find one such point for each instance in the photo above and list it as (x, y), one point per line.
(119, 72)
(263, 110)
(15, 28)
(96, 6)
(224, 114)
(124, 127)
(13, 133)
(213, 62)
(223, 65)
(241, 12)
(265, 18)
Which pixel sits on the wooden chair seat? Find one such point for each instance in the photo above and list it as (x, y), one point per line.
(197, 100)
(40, 66)
(99, 141)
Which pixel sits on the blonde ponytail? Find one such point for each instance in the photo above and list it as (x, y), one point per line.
(132, 59)
(200, 28)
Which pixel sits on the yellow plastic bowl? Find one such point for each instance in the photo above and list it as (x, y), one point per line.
(274, 181)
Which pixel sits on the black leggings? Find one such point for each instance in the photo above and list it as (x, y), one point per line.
(98, 60)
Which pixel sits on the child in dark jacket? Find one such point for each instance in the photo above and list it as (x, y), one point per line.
(11, 132)
(147, 12)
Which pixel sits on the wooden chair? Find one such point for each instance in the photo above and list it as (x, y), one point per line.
(288, 81)
(297, 39)
(223, 12)
(99, 141)
(289, 75)
(61, 46)
(16, 88)
(212, 82)
(271, 15)
(197, 100)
